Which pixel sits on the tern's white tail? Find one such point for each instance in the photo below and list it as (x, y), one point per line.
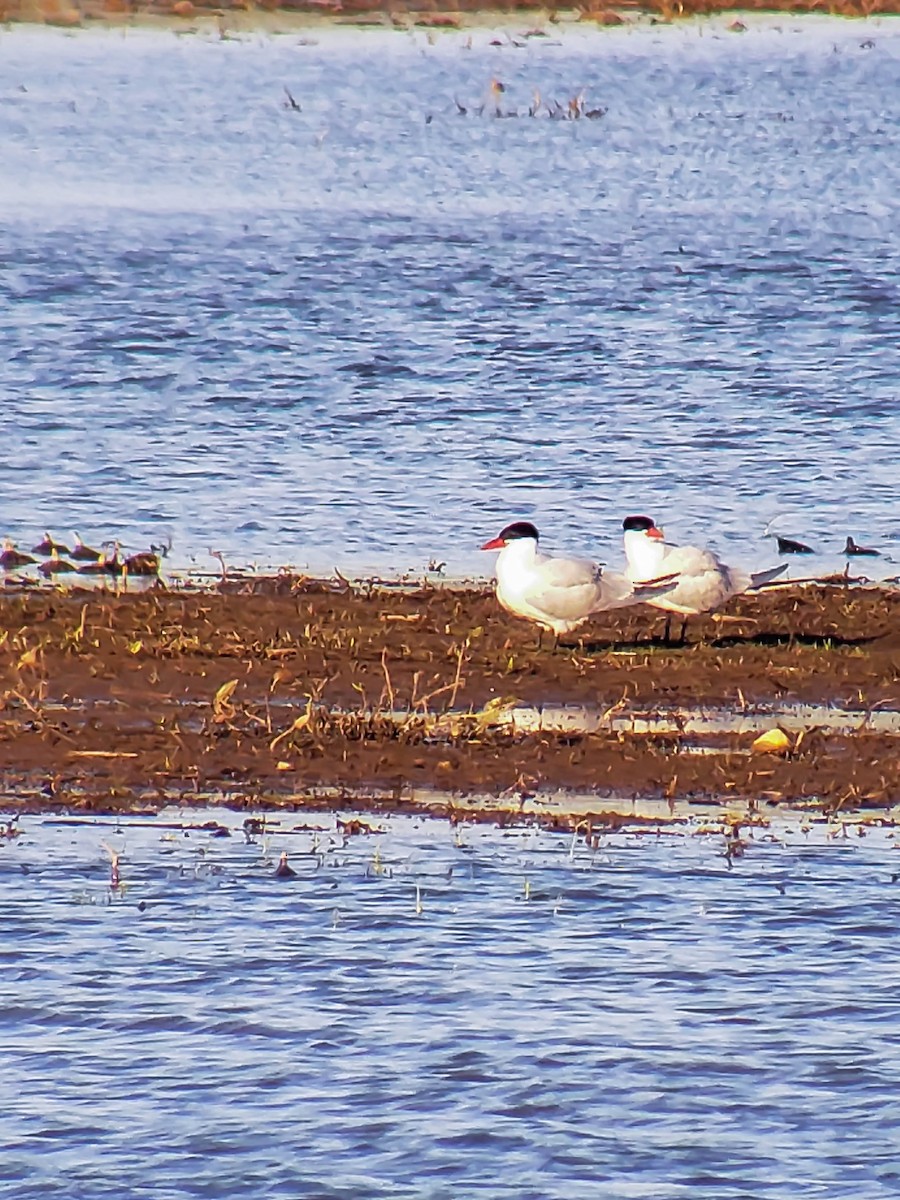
(761, 578)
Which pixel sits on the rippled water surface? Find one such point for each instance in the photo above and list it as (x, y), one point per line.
(372, 331)
(641, 1020)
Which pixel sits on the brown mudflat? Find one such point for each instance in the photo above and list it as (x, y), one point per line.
(267, 691)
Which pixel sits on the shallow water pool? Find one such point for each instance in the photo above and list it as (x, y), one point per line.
(436, 1012)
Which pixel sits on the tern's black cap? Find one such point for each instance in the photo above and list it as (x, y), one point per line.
(642, 523)
(519, 529)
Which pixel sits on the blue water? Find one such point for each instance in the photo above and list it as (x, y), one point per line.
(649, 1022)
(371, 332)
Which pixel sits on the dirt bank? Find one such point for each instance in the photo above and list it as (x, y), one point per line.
(272, 688)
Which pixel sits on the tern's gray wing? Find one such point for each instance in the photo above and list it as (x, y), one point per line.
(565, 590)
(576, 587)
(702, 591)
(689, 560)
(566, 572)
(704, 581)
(614, 591)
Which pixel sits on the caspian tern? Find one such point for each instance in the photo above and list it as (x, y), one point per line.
(703, 583)
(557, 592)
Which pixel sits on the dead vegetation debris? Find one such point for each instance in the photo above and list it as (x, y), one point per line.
(256, 692)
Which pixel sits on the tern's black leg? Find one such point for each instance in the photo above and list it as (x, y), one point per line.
(683, 638)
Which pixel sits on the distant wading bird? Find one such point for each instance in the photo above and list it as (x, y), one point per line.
(852, 550)
(49, 546)
(557, 592)
(789, 546)
(83, 553)
(703, 581)
(56, 565)
(786, 545)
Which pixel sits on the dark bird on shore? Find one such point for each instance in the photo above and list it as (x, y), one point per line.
(11, 558)
(83, 553)
(56, 565)
(144, 563)
(852, 550)
(49, 546)
(284, 870)
(789, 546)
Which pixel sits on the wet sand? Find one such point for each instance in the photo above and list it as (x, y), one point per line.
(273, 692)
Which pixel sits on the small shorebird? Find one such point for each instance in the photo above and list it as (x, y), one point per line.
(108, 563)
(55, 565)
(852, 550)
(497, 89)
(48, 546)
(83, 553)
(558, 592)
(11, 558)
(703, 583)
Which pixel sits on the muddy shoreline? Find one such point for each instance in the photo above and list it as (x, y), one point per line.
(290, 692)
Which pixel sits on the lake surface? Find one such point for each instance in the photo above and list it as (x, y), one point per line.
(370, 332)
(548, 1021)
